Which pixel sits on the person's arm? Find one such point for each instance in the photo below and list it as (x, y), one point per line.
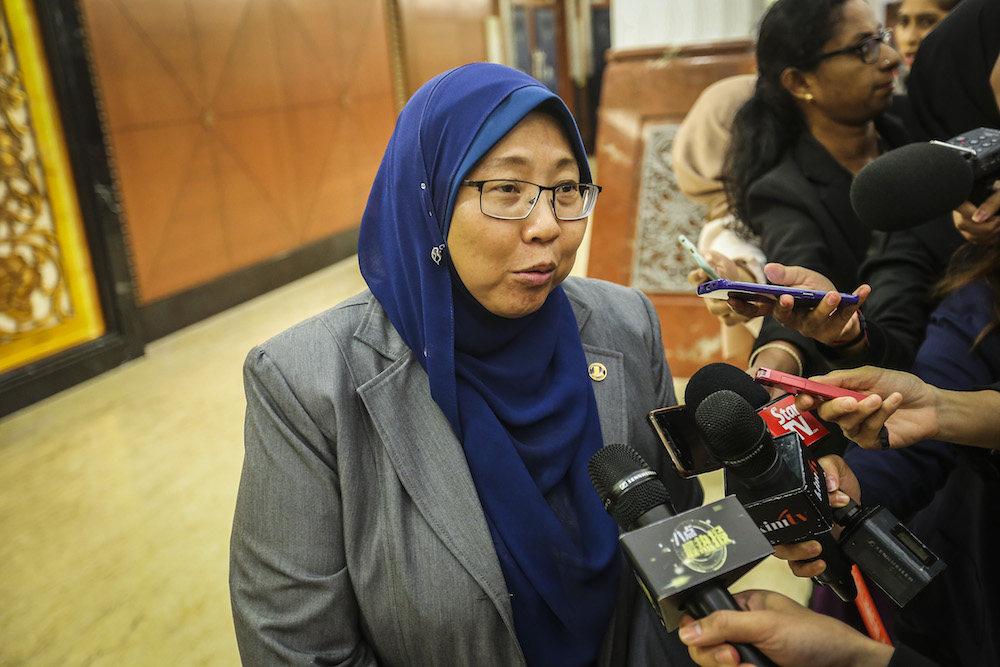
(796, 229)
(911, 409)
(785, 631)
(292, 598)
(901, 268)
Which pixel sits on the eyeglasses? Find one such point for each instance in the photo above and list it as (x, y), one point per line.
(867, 49)
(509, 199)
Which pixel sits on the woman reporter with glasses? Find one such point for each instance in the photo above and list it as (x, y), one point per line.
(816, 117)
(414, 490)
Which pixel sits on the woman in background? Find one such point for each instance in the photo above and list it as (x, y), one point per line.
(817, 116)
(914, 20)
(698, 152)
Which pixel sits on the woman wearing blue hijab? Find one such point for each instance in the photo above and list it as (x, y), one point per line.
(415, 487)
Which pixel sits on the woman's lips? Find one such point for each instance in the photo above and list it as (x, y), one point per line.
(537, 275)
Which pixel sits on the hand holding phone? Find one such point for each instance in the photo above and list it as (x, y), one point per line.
(727, 289)
(698, 257)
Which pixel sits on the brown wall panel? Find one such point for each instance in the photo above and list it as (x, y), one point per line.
(242, 129)
(441, 34)
(642, 88)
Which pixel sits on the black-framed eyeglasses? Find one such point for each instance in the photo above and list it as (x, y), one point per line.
(867, 49)
(510, 199)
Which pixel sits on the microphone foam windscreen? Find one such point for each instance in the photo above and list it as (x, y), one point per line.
(911, 185)
(711, 378)
(734, 433)
(608, 468)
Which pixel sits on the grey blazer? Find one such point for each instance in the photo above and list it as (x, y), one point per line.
(358, 537)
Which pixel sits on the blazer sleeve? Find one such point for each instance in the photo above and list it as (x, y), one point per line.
(291, 594)
(901, 268)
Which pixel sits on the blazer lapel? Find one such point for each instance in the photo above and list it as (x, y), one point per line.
(429, 459)
(832, 181)
(606, 368)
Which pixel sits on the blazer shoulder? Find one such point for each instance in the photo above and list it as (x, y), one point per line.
(602, 298)
(318, 336)
(594, 292)
(608, 311)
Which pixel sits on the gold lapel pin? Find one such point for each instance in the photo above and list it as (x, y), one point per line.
(598, 371)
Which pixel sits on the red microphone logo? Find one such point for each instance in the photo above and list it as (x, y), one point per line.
(783, 417)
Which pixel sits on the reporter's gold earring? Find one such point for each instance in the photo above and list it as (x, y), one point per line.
(809, 97)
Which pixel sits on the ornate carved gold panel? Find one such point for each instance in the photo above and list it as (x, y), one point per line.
(48, 298)
(67, 302)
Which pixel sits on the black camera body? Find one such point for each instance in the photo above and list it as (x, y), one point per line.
(981, 147)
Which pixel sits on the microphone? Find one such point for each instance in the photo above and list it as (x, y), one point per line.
(782, 489)
(684, 562)
(883, 547)
(918, 182)
(780, 414)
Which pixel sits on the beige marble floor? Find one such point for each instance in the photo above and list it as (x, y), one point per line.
(116, 498)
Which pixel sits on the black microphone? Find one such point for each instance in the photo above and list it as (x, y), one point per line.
(782, 489)
(684, 562)
(915, 183)
(780, 414)
(710, 378)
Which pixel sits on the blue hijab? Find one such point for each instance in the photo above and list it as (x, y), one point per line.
(516, 391)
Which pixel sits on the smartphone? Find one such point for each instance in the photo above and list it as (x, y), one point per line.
(794, 384)
(677, 429)
(725, 289)
(698, 258)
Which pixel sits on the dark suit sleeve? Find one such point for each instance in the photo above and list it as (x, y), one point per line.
(901, 268)
(790, 235)
(904, 656)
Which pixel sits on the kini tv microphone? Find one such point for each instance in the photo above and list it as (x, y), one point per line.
(782, 489)
(873, 538)
(684, 562)
(918, 182)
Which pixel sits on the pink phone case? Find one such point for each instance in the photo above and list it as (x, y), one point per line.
(799, 385)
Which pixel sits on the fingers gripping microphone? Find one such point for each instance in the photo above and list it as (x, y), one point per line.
(782, 489)
(873, 538)
(684, 562)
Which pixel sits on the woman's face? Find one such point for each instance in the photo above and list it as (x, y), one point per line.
(511, 266)
(844, 88)
(915, 19)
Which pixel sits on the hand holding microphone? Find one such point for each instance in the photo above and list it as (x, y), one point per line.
(783, 630)
(786, 493)
(783, 490)
(685, 562)
(842, 486)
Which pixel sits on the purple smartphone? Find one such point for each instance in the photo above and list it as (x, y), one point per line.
(725, 289)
